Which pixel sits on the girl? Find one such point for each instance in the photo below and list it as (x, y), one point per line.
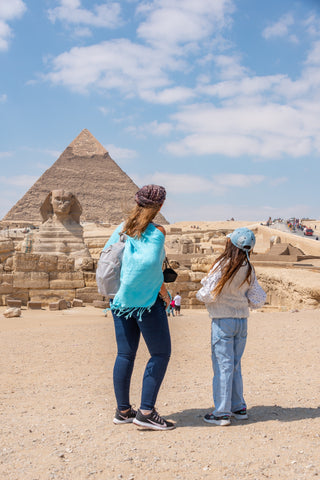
(228, 290)
(139, 307)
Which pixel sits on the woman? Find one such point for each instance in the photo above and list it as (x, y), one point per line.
(139, 307)
(230, 288)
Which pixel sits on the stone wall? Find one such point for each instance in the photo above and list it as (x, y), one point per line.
(45, 278)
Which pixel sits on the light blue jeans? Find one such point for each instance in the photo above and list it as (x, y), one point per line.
(228, 337)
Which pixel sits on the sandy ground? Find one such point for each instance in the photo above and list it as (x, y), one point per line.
(57, 402)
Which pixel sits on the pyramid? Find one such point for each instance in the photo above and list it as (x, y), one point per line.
(86, 169)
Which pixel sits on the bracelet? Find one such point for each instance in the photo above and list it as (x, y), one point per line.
(166, 296)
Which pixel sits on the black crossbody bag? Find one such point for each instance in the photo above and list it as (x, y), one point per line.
(169, 275)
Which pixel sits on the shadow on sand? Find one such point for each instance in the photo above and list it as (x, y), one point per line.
(260, 413)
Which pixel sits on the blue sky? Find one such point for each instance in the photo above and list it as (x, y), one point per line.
(218, 100)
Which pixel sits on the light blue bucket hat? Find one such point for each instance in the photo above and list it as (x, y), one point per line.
(243, 238)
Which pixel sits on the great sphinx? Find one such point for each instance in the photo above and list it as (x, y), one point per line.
(60, 232)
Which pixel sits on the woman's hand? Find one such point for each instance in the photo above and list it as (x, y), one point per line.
(165, 295)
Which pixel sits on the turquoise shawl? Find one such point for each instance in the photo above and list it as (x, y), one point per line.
(141, 272)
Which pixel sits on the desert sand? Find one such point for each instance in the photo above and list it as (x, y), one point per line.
(57, 401)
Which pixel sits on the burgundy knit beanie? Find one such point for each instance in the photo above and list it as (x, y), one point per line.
(150, 196)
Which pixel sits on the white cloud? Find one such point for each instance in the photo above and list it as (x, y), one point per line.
(177, 22)
(104, 110)
(172, 30)
(118, 64)
(119, 153)
(181, 183)
(243, 87)
(175, 183)
(280, 28)
(238, 180)
(153, 128)
(275, 182)
(9, 11)
(229, 66)
(168, 95)
(312, 24)
(3, 98)
(46, 151)
(19, 180)
(107, 15)
(267, 131)
(6, 154)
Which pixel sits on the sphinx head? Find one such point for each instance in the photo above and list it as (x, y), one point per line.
(61, 205)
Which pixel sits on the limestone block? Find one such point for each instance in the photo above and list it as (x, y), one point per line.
(63, 304)
(18, 294)
(201, 267)
(6, 288)
(6, 245)
(185, 286)
(13, 303)
(49, 296)
(100, 304)
(31, 280)
(90, 279)
(193, 293)
(67, 280)
(88, 294)
(183, 275)
(195, 301)
(34, 305)
(47, 263)
(8, 265)
(95, 253)
(65, 264)
(12, 312)
(6, 278)
(76, 302)
(25, 262)
(54, 306)
(4, 257)
(85, 264)
(196, 276)
(96, 242)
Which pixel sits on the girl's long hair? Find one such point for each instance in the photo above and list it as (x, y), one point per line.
(138, 220)
(231, 260)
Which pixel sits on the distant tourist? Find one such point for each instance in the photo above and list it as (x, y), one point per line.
(228, 290)
(139, 307)
(177, 303)
(172, 306)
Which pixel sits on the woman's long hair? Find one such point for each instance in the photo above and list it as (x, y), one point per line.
(138, 220)
(231, 260)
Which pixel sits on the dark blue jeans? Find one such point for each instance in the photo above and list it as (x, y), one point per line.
(155, 331)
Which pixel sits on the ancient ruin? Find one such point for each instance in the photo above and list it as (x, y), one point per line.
(60, 232)
(85, 168)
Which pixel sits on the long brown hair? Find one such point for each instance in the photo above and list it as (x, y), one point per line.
(138, 219)
(230, 261)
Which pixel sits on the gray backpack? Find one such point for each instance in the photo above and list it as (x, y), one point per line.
(109, 268)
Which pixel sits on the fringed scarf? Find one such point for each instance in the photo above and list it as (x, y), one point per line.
(141, 272)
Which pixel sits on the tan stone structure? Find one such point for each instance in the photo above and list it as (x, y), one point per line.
(61, 232)
(85, 168)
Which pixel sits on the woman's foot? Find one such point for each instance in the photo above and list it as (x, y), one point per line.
(153, 421)
(124, 416)
(222, 421)
(240, 414)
